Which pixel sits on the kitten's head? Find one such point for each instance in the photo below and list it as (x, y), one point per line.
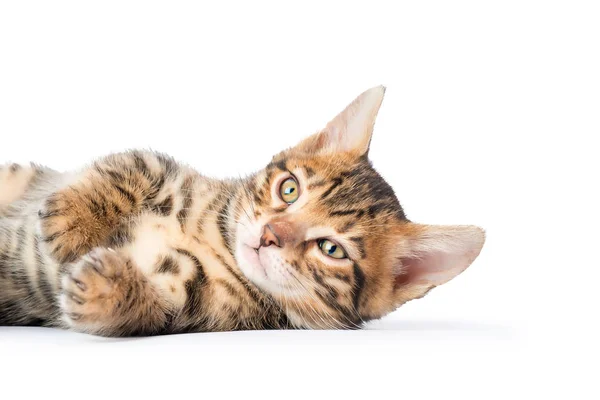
(323, 233)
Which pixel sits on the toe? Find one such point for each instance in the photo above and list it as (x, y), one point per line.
(80, 284)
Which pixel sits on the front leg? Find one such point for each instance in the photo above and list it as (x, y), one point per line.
(83, 215)
(104, 293)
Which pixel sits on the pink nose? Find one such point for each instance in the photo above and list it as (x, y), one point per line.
(269, 237)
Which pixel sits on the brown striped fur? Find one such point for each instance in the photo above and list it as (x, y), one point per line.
(138, 244)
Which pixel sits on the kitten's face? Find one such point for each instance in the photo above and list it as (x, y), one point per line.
(323, 233)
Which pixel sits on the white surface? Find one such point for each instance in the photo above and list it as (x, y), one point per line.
(488, 119)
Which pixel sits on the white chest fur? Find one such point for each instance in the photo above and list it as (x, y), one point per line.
(156, 238)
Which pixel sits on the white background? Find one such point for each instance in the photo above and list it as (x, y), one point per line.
(490, 117)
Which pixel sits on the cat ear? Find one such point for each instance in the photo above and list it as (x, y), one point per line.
(431, 255)
(350, 131)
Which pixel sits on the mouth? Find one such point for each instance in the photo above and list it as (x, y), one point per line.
(252, 255)
(261, 273)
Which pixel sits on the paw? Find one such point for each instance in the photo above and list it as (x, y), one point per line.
(72, 222)
(94, 291)
(62, 228)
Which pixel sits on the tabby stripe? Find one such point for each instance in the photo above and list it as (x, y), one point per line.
(121, 236)
(375, 209)
(156, 186)
(347, 226)
(4, 258)
(222, 220)
(185, 189)
(140, 164)
(229, 287)
(127, 194)
(207, 210)
(4, 265)
(275, 320)
(281, 164)
(197, 263)
(360, 243)
(251, 290)
(193, 287)
(56, 235)
(19, 273)
(319, 279)
(167, 163)
(98, 208)
(132, 294)
(352, 173)
(164, 207)
(12, 313)
(168, 265)
(115, 175)
(341, 277)
(63, 265)
(43, 282)
(116, 208)
(336, 182)
(47, 214)
(359, 283)
(330, 298)
(69, 257)
(214, 203)
(316, 184)
(182, 218)
(343, 212)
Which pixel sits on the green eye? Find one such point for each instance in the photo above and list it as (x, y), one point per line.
(331, 249)
(289, 190)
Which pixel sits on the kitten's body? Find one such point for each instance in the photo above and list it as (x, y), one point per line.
(174, 238)
(139, 244)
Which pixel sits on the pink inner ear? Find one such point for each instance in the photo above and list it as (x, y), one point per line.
(433, 268)
(433, 255)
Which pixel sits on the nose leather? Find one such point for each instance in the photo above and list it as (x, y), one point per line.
(269, 237)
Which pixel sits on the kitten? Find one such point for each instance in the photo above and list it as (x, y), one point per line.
(138, 244)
